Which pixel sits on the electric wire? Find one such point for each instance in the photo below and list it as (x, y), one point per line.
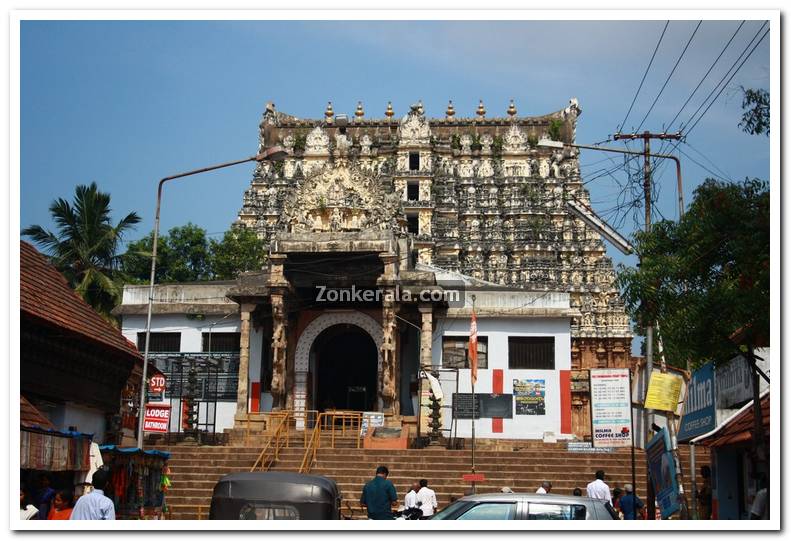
(705, 76)
(623, 123)
(670, 75)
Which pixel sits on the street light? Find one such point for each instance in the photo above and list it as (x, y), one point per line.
(272, 154)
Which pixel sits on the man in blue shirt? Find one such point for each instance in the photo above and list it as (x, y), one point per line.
(95, 505)
(379, 495)
(630, 504)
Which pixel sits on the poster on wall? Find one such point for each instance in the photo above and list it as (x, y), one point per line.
(661, 467)
(611, 408)
(530, 396)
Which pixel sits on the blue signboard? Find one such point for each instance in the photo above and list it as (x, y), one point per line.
(661, 467)
(700, 414)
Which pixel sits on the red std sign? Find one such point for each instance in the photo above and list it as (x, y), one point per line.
(156, 385)
(157, 418)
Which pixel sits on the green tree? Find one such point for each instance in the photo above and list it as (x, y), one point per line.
(182, 256)
(239, 250)
(705, 280)
(85, 246)
(755, 104)
(707, 276)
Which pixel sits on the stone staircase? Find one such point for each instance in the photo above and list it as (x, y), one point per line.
(196, 469)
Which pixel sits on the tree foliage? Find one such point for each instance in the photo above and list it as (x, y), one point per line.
(240, 250)
(706, 276)
(85, 246)
(755, 104)
(185, 254)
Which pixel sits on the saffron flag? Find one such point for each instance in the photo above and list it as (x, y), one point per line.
(473, 348)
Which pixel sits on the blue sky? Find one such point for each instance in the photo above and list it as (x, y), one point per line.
(125, 103)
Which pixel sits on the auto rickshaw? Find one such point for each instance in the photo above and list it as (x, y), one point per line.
(275, 496)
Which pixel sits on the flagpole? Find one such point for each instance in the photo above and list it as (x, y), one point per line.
(473, 375)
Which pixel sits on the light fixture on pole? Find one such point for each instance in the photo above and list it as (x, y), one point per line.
(273, 153)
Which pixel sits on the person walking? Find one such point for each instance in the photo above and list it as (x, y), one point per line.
(545, 488)
(427, 499)
(410, 500)
(95, 505)
(379, 495)
(631, 506)
(598, 489)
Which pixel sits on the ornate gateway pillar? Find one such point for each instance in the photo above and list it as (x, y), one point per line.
(426, 331)
(279, 342)
(388, 376)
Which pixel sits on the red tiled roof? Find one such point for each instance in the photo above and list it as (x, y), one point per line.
(29, 416)
(45, 294)
(740, 428)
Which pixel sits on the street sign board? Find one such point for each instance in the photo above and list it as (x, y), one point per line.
(156, 384)
(700, 413)
(157, 418)
(663, 392)
(611, 407)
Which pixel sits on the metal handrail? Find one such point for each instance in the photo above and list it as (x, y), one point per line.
(274, 442)
(326, 422)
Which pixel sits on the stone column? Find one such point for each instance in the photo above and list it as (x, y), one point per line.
(389, 374)
(279, 344)
(244, 361)
(426, 335)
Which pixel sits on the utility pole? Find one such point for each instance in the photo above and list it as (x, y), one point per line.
(646, 136)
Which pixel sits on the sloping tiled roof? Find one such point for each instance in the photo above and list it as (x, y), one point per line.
(45, 294)
(738, 429)
(30, 417)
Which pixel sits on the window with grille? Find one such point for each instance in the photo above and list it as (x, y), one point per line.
(531, 352)
(455, 352)
(160, 342)
(221, 341)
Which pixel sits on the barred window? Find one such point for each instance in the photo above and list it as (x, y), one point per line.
(455, 352)
(531, 352)
(221, 341)
(166, 342)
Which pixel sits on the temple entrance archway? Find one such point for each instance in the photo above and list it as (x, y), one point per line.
(305, 355)
(344, 366)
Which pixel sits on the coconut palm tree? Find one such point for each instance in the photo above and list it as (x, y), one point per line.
(85, 246)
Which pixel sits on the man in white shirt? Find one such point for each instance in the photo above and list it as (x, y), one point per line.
(410, 500)
(545, 488)
(427, 499)
(598, 489)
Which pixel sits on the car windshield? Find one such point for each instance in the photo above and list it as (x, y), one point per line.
(449, 510)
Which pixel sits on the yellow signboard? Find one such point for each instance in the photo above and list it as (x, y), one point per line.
(663, 392)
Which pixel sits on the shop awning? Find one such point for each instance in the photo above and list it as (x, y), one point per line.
(133, 451)
(738, 428)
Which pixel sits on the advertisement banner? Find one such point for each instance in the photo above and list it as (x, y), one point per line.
(611, 407)
(700, 413)
(664, 391)
(661, 467)
(157, 418)
(530, 396)
(734, 383)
